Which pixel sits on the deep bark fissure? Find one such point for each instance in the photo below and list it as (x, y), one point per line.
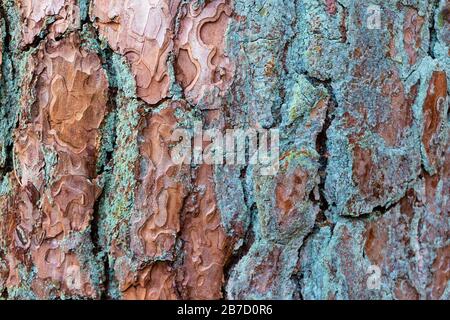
(243, 250)
(322, 147)
(6, 91)
(432, 28)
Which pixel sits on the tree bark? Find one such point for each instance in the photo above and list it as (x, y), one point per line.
(93, 206)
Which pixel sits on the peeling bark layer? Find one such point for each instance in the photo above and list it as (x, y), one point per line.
(94, 205)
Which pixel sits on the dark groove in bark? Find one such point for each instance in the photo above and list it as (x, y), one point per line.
(432, 28)
(7, 70)
(42, 36)
(101, 252)
(248, 241)
(322, 149)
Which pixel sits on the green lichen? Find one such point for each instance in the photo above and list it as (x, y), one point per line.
(84, 9)
(12, 76)
(108, 134)
(306, 158)
(5, 185)
(24, 290)
(303, 98)
(118, 179)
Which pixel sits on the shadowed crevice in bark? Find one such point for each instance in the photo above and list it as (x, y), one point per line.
(432, 27)
(7, 88)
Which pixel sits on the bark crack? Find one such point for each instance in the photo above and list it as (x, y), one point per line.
(432, 28)
(8, 87)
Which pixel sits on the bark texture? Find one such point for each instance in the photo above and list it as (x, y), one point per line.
(92, 205)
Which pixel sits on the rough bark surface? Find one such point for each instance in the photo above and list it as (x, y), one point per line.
(93, 206)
